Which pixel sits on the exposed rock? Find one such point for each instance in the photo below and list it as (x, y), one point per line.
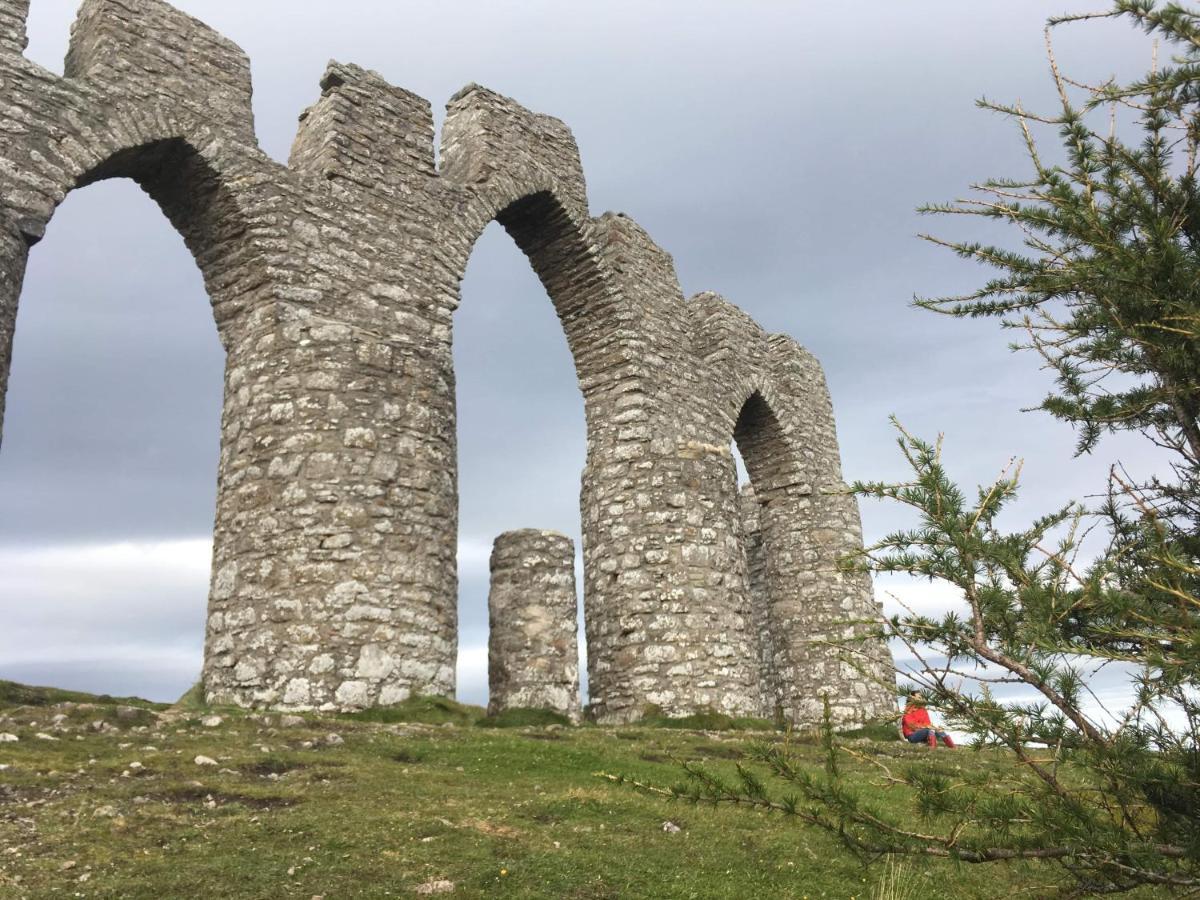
(436, 886)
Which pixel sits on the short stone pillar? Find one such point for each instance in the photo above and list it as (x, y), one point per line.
(533, 649)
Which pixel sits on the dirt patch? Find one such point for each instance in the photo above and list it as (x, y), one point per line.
(718, 751)
(483, 826)
(651, 756)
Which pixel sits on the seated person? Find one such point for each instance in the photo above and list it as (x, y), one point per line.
(917, 727)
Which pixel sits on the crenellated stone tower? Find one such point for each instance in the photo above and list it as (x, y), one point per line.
(333, 283)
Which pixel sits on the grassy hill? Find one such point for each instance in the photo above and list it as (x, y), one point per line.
(123, 798)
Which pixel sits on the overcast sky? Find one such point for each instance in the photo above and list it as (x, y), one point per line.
(776, 149)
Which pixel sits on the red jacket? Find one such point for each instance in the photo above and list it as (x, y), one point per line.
(915, 718)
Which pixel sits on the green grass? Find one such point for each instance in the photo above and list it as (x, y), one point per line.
(523, 718)
(421, 709)
(408, 796)
(14, 694)
(875, 731)
(443, 711)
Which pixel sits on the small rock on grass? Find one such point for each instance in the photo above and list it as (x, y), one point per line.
(211, 721)
(671, 828)
(205, 761)
(7, 738)
(333, 739)
(291, 722)
(437, 886)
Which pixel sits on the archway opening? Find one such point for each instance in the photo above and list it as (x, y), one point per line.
(107, 475)
(760, 459)
(521, 431)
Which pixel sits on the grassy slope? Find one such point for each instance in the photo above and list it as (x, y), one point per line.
(497, 811)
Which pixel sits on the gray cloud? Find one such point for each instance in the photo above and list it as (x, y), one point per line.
(776, 150)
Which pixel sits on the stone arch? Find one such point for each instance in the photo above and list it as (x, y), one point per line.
(820, 618)
(522, 170)
(334, 281)
(768, 395)
(770, 462)
(181, 174)
(128, 415)
(563, 258)
(536, 228)
(770, 457)
(116, 112)
(557, 248)
(191, 196)
(195, 198)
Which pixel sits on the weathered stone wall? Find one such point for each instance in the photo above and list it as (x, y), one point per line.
(758, 585)
(333, 282)
(533, 638)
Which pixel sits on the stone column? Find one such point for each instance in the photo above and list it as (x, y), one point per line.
(533, 650)
(328, 591)
(667, 612)
(14, 251)
(760, 598)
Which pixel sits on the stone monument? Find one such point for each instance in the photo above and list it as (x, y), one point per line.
(334, 280)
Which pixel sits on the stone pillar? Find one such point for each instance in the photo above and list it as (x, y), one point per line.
(14, 251)
(533, 650)
(667, 614)
(760, 598)
(332, 585)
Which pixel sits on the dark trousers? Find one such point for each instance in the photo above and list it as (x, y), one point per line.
(921, 735)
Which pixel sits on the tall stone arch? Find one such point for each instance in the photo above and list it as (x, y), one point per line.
(769, 394)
